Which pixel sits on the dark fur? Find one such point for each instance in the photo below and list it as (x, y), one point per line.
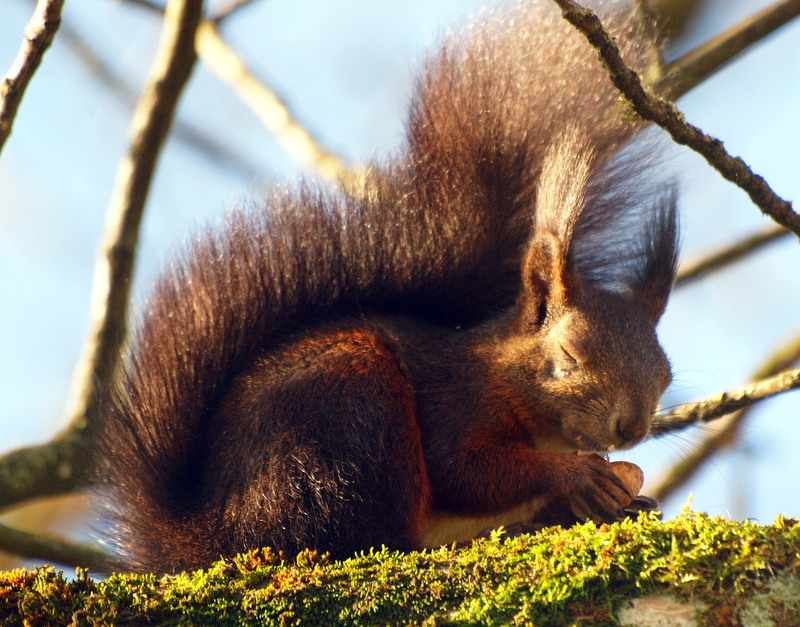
(272, 395)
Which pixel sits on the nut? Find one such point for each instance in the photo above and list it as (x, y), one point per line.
(630, 474)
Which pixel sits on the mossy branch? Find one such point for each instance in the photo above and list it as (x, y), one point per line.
(53, 550)
(585, 575)
(58, 467)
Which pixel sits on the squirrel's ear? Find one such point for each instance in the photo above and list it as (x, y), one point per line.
(653, 279)
(548, 270)
(548, 276)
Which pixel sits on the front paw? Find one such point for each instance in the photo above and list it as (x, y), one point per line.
(605, 491)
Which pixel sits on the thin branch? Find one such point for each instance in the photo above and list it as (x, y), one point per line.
(726, 428)
(685, 73)
(667, 116)
(271, 109)
(54, 551)
(196, 138)
(65, 464)
(693, 271)
(39, 35)
(725, 403)
(274, 113)
(151, 122)
(58, 467)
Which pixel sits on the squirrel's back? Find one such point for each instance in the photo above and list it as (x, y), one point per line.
(436, 234)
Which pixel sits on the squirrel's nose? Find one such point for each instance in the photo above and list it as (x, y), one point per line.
(632, 423)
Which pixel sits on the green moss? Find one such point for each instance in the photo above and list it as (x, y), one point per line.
(556, 577)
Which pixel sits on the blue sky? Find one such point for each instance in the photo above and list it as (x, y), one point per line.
(346, 69)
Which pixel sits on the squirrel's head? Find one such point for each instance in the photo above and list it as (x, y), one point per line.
(585, 356)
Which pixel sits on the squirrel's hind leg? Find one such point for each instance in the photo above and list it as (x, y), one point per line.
(336, 461)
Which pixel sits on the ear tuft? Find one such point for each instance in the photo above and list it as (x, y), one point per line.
(651, 283)
(548, 269)
(561, 191)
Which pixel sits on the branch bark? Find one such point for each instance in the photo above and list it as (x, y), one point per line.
(273, 112)
(66, 463)
(149, 128)
(227, 10)
(668, 117)
(39, 35)
(727, 428)
(54, 550)
(195, 138)
(725, 403)
(271, 109)
(50, 469)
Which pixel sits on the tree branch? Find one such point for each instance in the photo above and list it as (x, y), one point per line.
(66, 463)
(39, 34)
(151, 122)
(727, 427)
(667, 116)
(270, 108)
(685, 73)
(228, 10)
(50, 469)
(273, 112)
(195, 138)
(725, 403)
(54, 550)
(693, 271)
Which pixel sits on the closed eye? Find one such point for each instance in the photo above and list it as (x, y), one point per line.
(565, 352)
(565, 364)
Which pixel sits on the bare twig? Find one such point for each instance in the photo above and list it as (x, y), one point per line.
(726, 428)
(725, 403)
(195, 138)
(54, 550)
(66, 463)
(667, 116)
(148, 4)
(220, 58)
(685, 73)
(698, 269)
(151, 122)
(39, 35)
(271, 109)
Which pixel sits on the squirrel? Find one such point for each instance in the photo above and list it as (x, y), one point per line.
(411, 363)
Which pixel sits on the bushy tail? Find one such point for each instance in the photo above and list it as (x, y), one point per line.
(437, 234)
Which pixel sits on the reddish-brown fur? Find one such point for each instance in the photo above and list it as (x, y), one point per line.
(339, 371)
